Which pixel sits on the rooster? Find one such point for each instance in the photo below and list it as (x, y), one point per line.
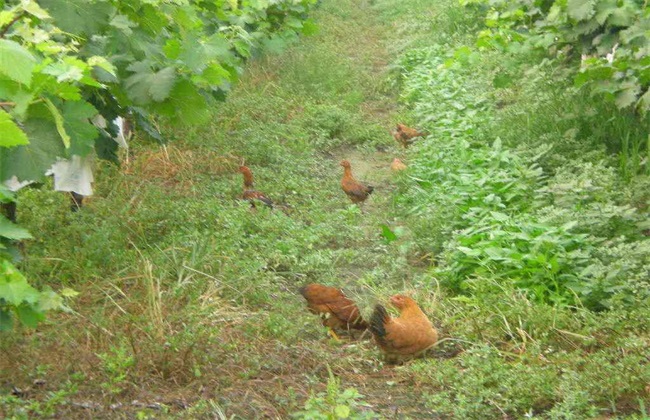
(356, 191)
(335, 309)
(406, 336)
(250, 194)
(406, 135)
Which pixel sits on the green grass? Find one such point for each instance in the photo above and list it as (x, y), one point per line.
(188, 299)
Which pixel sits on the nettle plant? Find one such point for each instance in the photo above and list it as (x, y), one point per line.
(69, 68)
(607, 39)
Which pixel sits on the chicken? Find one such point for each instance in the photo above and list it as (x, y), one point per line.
(250, 194)
(335, 309)
(356, 191)
(406, 135)
(248, 176)
(406, 336)
(397, 165)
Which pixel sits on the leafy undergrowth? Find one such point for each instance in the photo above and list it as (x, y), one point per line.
(187, 302)
(525, 197)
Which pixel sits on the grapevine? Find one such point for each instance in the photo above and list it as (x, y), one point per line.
(66, 65)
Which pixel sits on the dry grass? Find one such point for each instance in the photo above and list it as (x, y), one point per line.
(174, 166)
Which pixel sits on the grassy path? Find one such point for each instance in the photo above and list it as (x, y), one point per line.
(188, 302)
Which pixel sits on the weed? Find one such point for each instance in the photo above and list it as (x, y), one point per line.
(116, 365)
(335, 404)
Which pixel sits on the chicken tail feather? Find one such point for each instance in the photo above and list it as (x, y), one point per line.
(378, 322)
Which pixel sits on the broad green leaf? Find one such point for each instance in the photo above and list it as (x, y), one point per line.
(6, 321)
(216, 75)
(66, 71)
(581, 9)
(627, 96)
(259, 4)
(242, 47)
(172, 48)
(622, 16)
(388, 234)
(275, 45)
(28, 315)
(80, 17)
(29, 162)
(147, 86)
(10, 134)
(123, 23)
(77, 124)
(16, 62)
(49, 300)
(640, 29)
(6, 195)
(220, 47)
(102, 63)
(604, 9)
(309, 27)
(12, 231)
(14, 288)
(31, 7)
(58, 121)
(185, 104)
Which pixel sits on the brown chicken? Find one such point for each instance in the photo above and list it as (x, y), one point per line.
(250, 194)
(406, 135)
(397, 165)
(248, 176)
(335, 309)
(356, 191)
(406, 336)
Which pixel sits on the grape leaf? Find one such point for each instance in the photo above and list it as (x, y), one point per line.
(82, 132)
(581, 9)
(123, 23)
(146, 86)
(58, 121)
(604, 9)
(34, 9)
(28, 315)
(216, 75)
(627, 96)
(309, 27)
(188, 104)
(82, 17)
(49, 300)
(14, 288)
(102, 63)
(10, 133)
(621, 16)
(12, 231)
(16, 62)
(29, 162)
